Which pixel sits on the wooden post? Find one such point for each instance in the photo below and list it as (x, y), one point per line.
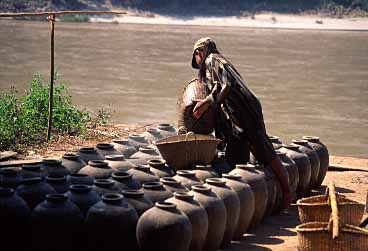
(335, 211)
(51, 18)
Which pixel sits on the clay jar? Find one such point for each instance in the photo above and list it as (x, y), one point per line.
(166, 130)
(143, 174)
(292, 169)
(164, 228)
(323, 155)
(34, 191)
(118, 162)
(9, 177)
(138, 200)
(232, 205)
(53, 218)
(159, 168)
(156, 192)
(220, 165)
(80, 179)
(107, 149)
(257, 181)
(304, 168)
(83, 196)
(271, 187)
(137, 141)
(125, 181)
(98, 169)
(32, 171)
(151, 135)
(197, 216)
(105, 186)
(72, 162)
(124, 147)
(89, 153)
(247, 203)
(216, 212)
(14, 214)
(187, 178)
(143, 155)
(58, 182)
(203, 172)
(173, 185)
(110, 219)
(54, 166)
(304, 147)
(276, 142)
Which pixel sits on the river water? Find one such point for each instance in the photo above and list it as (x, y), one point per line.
(309, 82)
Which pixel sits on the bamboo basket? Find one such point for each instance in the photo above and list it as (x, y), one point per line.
(318, 209)
(330, 236)
(183, 151)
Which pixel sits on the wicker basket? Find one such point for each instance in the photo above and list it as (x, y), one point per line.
(182, 151)
(317, 209)
(316, 236)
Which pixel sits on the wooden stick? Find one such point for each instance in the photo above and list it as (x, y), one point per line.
(335, 211)
(23, 14)
(51, 94)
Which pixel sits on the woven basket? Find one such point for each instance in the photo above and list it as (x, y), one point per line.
(316, 236)
(183, 151)
(317, 209)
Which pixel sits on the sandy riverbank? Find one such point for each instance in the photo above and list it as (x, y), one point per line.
(264, 20)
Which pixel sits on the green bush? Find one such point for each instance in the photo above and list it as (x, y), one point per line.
(24, 120)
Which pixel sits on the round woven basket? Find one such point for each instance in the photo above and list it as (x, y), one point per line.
(183, 151)
(316, 236)
(317, 209)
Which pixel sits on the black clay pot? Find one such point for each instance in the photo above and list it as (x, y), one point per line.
(14, 214)
(34, 191)
(118, 162)
(109, 220)
(164, 228)
(156, 192)
(247, 203)
(276, 142)
(89, 153)
(220, 165)
(232, 204)
(9, 177)
(107, 149)
(137, 141)
(54, 166)
(32, 171)
(187, 178)
(159, 168)
(197, 215)
(323, 155)
(143, 155)
(151, 135)
(143, 174)
(304, 167)
(257, 181)
(173, 185)
(138, 200)
(52, 219)
(80, 179)
(293, 172)
(83, 196)
(125, 181)
(124, 147)
(216, 212)
(105, 186)
(72, 162)
(98, 169)
(203, 172)
(58, 182)
(166, 130)
(271, 187)
(304, 147)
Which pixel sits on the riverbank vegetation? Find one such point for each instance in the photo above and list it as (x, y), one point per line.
(24, 119)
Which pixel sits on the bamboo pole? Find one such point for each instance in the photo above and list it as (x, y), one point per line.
(48, 13)
(335, 211)
(51, 95)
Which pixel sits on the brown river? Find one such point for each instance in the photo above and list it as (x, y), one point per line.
(309, 82)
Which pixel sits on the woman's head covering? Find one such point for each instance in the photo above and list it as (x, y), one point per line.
(203, 43)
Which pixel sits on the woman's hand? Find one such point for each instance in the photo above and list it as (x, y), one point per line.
(200, 108)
